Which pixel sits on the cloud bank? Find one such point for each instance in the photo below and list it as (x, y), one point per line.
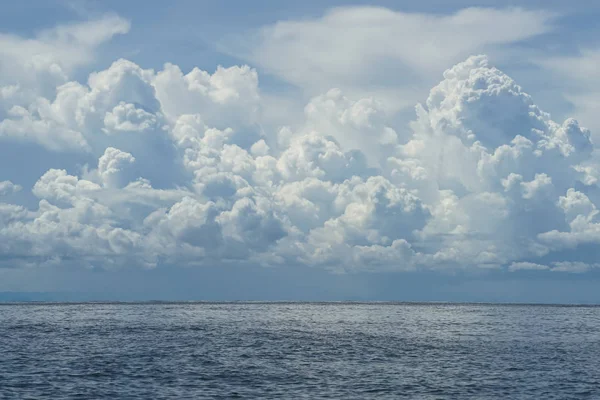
(185, 172)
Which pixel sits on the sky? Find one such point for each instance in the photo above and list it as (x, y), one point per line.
(268, 150)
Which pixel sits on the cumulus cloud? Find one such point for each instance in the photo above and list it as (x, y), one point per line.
(7, 187)
(112, 165)
(185, 172)
(229, 98)
(34, 70)
(499, 164)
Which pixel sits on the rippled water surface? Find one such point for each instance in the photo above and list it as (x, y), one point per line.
(359, 351)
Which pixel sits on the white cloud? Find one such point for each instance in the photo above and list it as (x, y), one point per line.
(40, 63)
(516, 266)
(577, 76)
(63, 47)
(539, 183)
(22, 125)
(112, 165)
(357, 125)
(188, 174)
(125, 117)
(7, 187)
(502, 162)
(227, 98)
(571, 267)
(581, 215)
(381, 51)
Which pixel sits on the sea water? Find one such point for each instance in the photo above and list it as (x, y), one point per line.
(299, 351)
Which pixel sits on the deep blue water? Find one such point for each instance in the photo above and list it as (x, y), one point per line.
(298, 350)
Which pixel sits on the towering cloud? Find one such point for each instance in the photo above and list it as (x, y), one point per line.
(186, 174)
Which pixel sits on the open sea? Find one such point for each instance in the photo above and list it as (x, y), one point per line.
(298, 351)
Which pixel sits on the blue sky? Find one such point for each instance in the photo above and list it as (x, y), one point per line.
(434, 150)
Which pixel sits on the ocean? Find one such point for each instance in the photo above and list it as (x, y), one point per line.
(298, 351)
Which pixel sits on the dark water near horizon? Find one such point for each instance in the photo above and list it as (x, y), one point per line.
(298, 351)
